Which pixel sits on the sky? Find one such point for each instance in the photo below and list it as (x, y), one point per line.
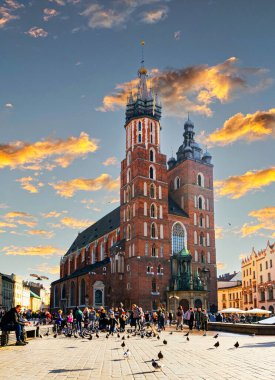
(66, 69)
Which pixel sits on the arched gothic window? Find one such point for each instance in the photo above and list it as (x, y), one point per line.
(153, 230)
(139, 126)
(152, 173)
(201, 220)
(82, 292)
(177, 238)
(128, 175)
(72, 294)
(152, 191)
(159, 269)
(64, 293)
(201, 239)
(201, 203)
(153, 211)
(152, 155)
(177, 183)
(128, 158)
(200, 180)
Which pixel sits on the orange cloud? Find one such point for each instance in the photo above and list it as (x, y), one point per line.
(18, 214)
(28, 186)
(54, 214)
(220, 265)
(7, 224)
(46, 268)
(110, 161)
(237, 186)
(6, 12)
(24, 155)
(68, 188)
(76, 223)
(49, 13)
(265, 218)
(193, 89)
(219, 232)
(32, 251)
(250, 127)
(44, 233)
(154, 16)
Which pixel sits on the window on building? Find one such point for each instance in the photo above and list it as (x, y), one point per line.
(128, 232)
(128, 175)
(266, 265)
(261, 267)
(178, 238)
(270, 294)
(153, 251)
(154, 286)
(254, 275)
(261, 279)
(200, 180)
(201, 238)
(139, 126)
(128, 158)
(268, 276)
(128, 213)
(149, 269)
(262, 296)
(153, 211)
(152, 173)
(102, 251)
(201, 221)
(153, 230)
(176, 183)
(201, 203)
(270, 263)
(159, 269)
(152, 155)
(139, 138)
(152, 191)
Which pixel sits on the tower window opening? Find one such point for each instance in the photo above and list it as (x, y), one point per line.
(153, 231)
(151, 155)
(178, 238)
(152, 173)
(153, 251)
(153, 211)
(139, 138)
(139, 126)
(152, 191)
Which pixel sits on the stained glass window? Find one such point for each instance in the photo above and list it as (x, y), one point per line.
(177, 238)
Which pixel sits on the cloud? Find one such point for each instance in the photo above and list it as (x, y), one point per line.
(154, 16)
(14, 4)
(195, 88)
(110, 161)
(28, 186)
(6, 14)
(219, 232)
(9, 105)
(237, 186)
(114, 200)
(46, 268)
(177, 35)
(265, 218)
(18, 214)
(36, 32)
(76, 223)
(249, 127)
(7, 224)
(43, 233)
(23, 155)
(58, 2)
(48, 250)
(53, 214)
(220, 265)
(49, 13)
(68, 188)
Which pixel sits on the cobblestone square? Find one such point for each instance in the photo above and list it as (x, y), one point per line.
(71, 358)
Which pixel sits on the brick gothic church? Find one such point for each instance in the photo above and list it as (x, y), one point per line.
(158, 246)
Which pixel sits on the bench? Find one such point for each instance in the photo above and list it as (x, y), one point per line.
(9, 337)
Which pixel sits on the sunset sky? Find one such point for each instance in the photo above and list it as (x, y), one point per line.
(66, 68)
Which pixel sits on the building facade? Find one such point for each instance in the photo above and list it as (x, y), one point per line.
(230, 291)
(160, 242)
(258, 274)
(7, 289)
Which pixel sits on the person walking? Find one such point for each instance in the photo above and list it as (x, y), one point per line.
(79, 318)
(92, 318)
(11, 321)
(204, 321)
(198, 318)
(112, 322)
(179, 317)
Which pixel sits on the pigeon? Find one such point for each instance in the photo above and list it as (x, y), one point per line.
(186, 334)
(75, 336)
(40, 336)
(216, 336)
(47, 333)
(158, 337)
(55, 335)
(90, 337)
(123, 344)
(127, 354)
(236, 344)
(97, 335)
(142, 336)
(118, 335)
(69, 335)
(204, 334)
(156, 365)
(216, 344)
(128, 336)
(164, 342)
(188, 339)
(160, 355)
(171, 332)
(107, 336)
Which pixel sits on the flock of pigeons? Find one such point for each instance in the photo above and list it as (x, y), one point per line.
(156, 363)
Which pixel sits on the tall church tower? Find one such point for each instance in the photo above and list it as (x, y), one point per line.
(190, 178)
(144, 202)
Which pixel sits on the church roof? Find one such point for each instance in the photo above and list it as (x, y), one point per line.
(174, 208)
(106, 224)
(84, 270)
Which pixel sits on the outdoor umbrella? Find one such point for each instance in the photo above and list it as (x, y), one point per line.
(231, 310)
(257, 311)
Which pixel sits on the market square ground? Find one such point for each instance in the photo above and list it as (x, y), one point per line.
(70, 358)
